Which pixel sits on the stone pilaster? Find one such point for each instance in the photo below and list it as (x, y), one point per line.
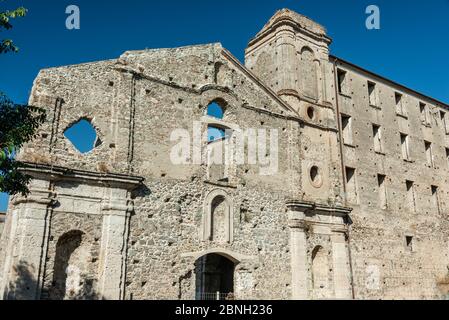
(23, 272)
(342, 270)
(298, 250)
(116, 215)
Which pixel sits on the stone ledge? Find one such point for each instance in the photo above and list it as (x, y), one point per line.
(300, 205)
(62, 173)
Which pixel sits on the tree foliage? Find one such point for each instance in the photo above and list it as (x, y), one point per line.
(7, 45)
(18, 123)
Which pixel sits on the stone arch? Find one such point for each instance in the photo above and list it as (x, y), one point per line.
(225, 98)
(309, 75)
(217, 134)
(320, 269)
(218, 217)
(214, 277)
(72, 259)
(216, 111)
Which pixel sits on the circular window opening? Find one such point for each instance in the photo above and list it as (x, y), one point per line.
(311, 112)
(315, 176)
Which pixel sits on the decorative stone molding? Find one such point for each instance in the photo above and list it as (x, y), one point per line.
(55, 173)
(34, 221)
(312, 218)
(38, 196)
(314, 208)
(229, 254)
(207, 225)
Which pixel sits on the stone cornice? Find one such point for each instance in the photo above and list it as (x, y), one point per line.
(284, 19)
(95, 178)
(306, 206)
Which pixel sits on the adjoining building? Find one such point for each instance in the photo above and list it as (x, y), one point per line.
(347, 200)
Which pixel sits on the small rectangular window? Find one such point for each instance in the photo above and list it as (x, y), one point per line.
(424, 110)
(409, 243)
(444, 122)
(351, 185)
(342, 82)
(435, 198)
(382, 191)
(429, 155)
(411, 195)
(377, 137)
(405, 147)
(400, 110)
(372, 93)
(346, 124)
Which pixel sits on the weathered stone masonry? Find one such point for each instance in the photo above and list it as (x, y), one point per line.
(337, 219)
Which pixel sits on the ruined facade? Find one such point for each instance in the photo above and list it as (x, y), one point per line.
(354, 208)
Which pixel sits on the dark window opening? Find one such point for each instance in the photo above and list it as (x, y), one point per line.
(382, 191)
(214, 278)
(346, 125)
(435, 198)
(409, 242)
(341, 77)
(372, 93)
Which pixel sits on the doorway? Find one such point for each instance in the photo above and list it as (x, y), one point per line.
(214, 278)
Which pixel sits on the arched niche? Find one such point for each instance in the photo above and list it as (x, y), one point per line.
(72, 260)
(320, 269)
(218, 217)
(309, 73)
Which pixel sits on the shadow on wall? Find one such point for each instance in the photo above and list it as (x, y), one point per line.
(25, 283)
(443, 285)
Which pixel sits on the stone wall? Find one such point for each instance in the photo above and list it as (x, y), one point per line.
(385, 266)
(127, 220)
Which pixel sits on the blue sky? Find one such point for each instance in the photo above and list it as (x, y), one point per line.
(412, 46)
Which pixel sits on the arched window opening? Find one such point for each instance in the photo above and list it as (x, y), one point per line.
(69, 273)
(214, 278)
(215, 133)
(215, 110)
(83, 136)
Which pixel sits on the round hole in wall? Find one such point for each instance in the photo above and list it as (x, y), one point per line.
(311, 113)
(315, 177)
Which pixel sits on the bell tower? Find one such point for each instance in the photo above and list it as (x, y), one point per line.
(290, 54)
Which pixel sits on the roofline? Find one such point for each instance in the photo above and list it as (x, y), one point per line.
(230, 57)
(436, 101)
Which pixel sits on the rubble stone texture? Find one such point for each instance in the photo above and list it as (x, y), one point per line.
(356, 209)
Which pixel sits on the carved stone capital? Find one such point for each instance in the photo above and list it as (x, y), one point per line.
(41, 197)
(117, 207)
(297, 224)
